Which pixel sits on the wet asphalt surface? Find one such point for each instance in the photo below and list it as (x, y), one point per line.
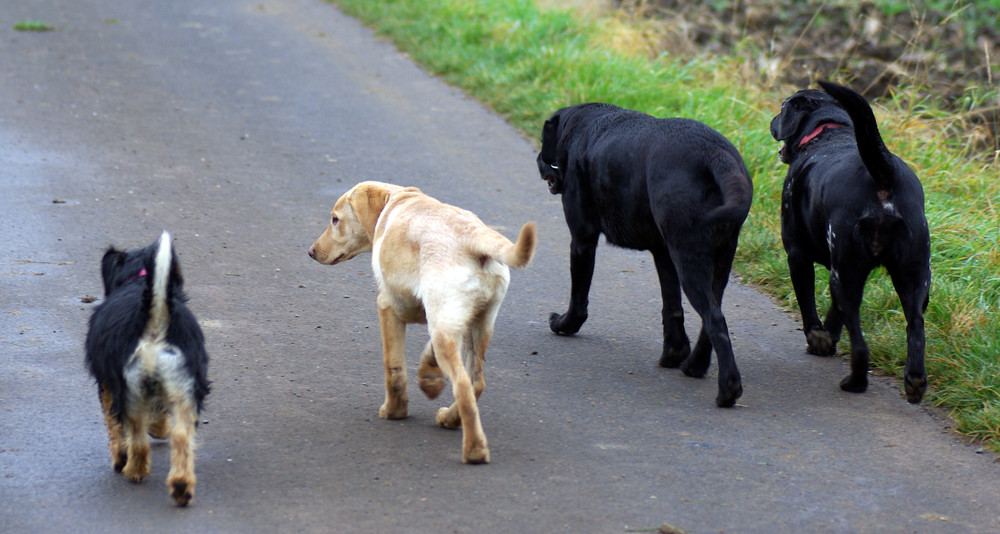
(235, 125)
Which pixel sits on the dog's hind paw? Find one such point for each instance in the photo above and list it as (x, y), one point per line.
(479, 454)
(181, 492)
(431, 383)
(449, 417)
(820, 343)
(915, 387)
(394, 412)
(729, 392)
(566, 324)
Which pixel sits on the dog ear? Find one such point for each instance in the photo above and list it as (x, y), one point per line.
(111, 265)
(368, 201)
(550, 140)
(786, 123)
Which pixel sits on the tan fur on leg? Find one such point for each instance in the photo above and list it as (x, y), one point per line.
(138, 465)
(181, 479)
(429, 374)
(396, 405)
(116, 442)
(160, 429)
(474, 447)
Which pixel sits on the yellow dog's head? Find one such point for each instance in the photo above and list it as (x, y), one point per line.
(352, 223)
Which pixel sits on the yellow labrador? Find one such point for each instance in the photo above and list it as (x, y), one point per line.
(434, 264)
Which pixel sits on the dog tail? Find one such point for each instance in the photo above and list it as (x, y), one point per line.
(874, 154)
(737, 191)
(159, 311)
(499, 248)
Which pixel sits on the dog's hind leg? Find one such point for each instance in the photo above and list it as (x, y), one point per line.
(429, 375)
(447, 347)
(698, 282)
(913, 289)
(135, 429)
(676, 345)
(181, 479)
(396, 405)
(116, 439)
(847, 287)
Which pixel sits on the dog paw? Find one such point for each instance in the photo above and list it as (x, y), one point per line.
(448, 417)
(852, 384)
(915, 387)
(160, 429)
(181, 491)
(566, 324)
(393, 412)
(729, 392)
(673, 357)
(118, 461)
(135, 473)
(431, 384)
(477, 454)
(820, 343)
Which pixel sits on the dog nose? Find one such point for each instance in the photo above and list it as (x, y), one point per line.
(312, 252)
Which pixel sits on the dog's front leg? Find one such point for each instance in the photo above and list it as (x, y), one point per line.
(116, 441)
(581, 267)
(803, 276)
(393, 356)
(676, 345)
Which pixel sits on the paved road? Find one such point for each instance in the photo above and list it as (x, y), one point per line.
(235, 124)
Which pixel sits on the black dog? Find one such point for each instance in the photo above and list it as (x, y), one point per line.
(851, 205)
(674, 187)
(147, 354)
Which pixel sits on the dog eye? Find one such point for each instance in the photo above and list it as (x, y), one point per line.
(334, 220)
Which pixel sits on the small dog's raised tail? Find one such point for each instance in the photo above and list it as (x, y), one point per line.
(490, 243)
(874, 154)
(159, 310)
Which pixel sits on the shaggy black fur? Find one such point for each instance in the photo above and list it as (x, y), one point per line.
(674, 187)
(117, 323)
(851, 205)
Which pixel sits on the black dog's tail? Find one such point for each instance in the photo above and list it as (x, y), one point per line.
(159, 311)
(737, 190)
(874, 154)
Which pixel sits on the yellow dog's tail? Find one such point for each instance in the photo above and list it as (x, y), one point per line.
(494, 245)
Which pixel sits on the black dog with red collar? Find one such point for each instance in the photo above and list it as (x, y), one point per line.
(851, 205)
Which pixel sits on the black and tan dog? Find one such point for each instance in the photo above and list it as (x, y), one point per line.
(851, 205)
(147, 354)
(674, 187)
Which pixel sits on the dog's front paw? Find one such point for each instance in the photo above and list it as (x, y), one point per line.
(566, 324)
(915, 387)
(820, 343)
(431, 381)
(118, 460)
(135, 470)
(673, 357)
(449, 417)
(394, 411)
(854, 384)
(160, 429)
(181, 491)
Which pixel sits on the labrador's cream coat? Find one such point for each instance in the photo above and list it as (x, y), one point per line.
(435, 264)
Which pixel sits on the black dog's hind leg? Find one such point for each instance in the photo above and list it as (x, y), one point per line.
(913, 289)
(583, 249)
(847, 286)
(698, 279)
(676, 345)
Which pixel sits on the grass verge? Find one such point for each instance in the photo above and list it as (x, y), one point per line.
(525, 62)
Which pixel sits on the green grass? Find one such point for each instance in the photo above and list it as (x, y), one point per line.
(526, 62)
(33, 26)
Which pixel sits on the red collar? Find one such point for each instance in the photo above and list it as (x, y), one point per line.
(140, 275)
(819, 129)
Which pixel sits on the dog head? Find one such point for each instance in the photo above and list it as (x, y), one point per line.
(119, 267)
(352, 223)
(804, 116)
(549, 164)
